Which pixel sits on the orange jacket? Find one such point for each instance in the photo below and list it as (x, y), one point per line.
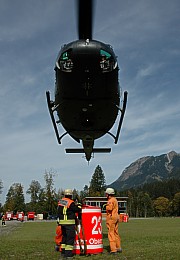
(112, 209)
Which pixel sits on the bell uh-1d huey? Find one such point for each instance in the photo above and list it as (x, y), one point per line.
(87, 93)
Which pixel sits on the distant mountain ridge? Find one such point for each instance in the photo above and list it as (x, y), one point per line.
(149, 169)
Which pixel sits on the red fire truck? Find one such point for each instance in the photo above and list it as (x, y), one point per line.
(31, 215)
(20, 216)
(9, 215)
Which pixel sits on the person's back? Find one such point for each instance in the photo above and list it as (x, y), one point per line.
(67, 213)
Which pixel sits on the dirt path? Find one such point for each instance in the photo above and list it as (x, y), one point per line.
(10, 226)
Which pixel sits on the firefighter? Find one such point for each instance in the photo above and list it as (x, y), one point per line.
(112, 220)
(3, 220)
(67, 213)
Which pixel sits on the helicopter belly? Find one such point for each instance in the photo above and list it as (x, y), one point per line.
(87, 106)
(82, 118)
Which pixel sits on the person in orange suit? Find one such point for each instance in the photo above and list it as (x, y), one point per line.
(112, 220)
(58, 237)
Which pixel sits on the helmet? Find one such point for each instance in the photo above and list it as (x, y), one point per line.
(110, 191)
(68, 192)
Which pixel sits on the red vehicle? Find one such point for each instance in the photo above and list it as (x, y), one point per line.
(20, 216)
(31, 215)
(9, 215)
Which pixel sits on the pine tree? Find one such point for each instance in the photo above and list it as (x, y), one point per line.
(34, 190)
(97, 183)
(15, 198)
(50, 205)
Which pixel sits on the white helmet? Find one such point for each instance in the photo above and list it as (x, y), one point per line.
(110, 191)
(68, 192)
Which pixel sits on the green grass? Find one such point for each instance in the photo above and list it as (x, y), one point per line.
(141, 239)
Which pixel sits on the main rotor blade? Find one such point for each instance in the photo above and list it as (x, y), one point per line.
(85, 19)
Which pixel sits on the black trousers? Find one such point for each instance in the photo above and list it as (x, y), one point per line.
(68, 237)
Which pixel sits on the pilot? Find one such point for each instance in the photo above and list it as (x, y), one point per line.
(103, 62)
(67, 210)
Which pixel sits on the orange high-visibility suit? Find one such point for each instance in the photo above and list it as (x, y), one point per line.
(112, 220)
(58, 237)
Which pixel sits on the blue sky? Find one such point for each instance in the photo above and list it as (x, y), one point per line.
(145, 36)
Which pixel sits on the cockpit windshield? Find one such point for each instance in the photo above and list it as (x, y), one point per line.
(107, 62)
(64, 62)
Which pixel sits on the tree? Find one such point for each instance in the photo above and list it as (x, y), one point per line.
(34, 190)
(9, 203)
(1, 186)
(130, 201)
(15, 198)
(144, 204)
(75, 195)
(161, 206)
(176, 204)
(97, 183)
(147, 203)
(85, 192)
(49, 191)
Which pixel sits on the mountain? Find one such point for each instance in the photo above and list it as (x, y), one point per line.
(149, 169)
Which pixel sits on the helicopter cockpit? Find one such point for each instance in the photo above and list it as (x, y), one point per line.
(107, 62)
(64, 63)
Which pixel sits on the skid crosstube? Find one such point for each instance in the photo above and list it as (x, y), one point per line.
(81, 150)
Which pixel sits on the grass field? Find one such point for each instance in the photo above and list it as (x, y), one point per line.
(141, 239)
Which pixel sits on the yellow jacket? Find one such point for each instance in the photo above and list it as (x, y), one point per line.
(112, 209)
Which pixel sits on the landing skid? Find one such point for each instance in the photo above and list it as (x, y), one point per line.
(88, 154)
(52, 108)
(122, 110)
(81, 150)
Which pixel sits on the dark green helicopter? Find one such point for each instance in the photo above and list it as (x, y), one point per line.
(87, 92)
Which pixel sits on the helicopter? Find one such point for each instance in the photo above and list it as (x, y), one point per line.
(87, 91)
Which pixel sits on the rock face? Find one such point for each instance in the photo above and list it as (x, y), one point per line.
(149, 169)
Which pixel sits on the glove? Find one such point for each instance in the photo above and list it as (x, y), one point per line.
(103, 207)
(79, 205)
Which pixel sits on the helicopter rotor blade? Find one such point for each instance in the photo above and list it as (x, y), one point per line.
(85, 19)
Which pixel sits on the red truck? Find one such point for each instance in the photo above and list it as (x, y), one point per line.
(9, 215)
(20, 216)
(31, 215)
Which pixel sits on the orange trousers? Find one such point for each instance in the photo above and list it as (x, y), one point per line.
(58, 237)
(113, 235)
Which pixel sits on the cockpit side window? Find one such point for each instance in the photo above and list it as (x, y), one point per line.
(105, 53)
(107, 62)
(65, 62)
